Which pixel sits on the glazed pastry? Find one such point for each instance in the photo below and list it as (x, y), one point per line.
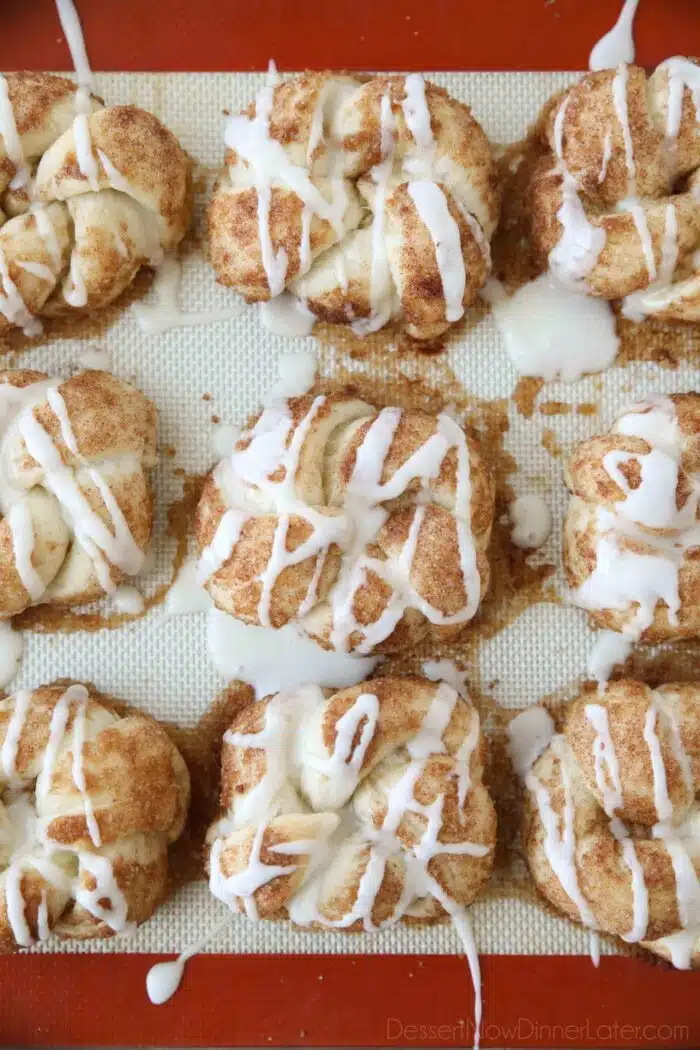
(76, 506)
(366, 528)
(370, 201)
(631, 533)
(611, 831)
(614, 200)
(90, 799)
(89, 196)
(353, 810)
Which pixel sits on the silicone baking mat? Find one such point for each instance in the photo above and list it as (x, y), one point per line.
(274, 986)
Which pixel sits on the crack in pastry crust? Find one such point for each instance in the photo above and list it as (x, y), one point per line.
(610, 827)
(369, 201)
(88, 195)
(89, 801)
(76, 506)
(353, 810)
(615, 200)
(369, 529)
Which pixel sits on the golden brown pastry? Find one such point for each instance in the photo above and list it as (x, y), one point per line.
(76, 506)
(615, 199)
(631, 537)
(366, 528)
(88, 198)
(353, 810)
(611, 826)
(368, 200)
(90, 800)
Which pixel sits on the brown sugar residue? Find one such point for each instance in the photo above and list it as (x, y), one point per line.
(554, 408)
(76, 325)
(525, 394)
(47, 618)
(587, 408)
(551, 444)
(201, 746)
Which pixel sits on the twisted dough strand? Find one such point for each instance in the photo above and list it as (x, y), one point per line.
(313, 158)
(76, 507)
(89, 801)
(367, 528)
(611, 816)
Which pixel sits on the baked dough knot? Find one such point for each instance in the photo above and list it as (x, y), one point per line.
(369, 201)
(76, 506)
(87, 200)
(611, 830)
(631, 536)
(615, 200)
(90, 799)
(355, 809)
(368, 529)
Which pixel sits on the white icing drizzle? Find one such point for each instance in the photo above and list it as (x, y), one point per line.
(682, 74)
(164, 313)
(29, 831)
(163, 979)
(607, 154)
(431, 204)
(19, 519)
(70, 23)
(380, 175)
(12, 305)
(618, 43)
(11, 650)
(605, 759)
(245, 478)
(619, 94)
(11, 139)
(622, 577)
(637, 304)
(329, 783)
(529, 733)
(96, 538)
(560, 845)
(576, 253)
(13, 734)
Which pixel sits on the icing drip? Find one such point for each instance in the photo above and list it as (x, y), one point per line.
(682, 74)
(552, 330)
(618, 44)
(11, 139)
(165, 313)
(329, 783)
(560, 845)
(87, 162)
(576, 253)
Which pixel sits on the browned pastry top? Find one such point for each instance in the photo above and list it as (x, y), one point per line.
(89, 801)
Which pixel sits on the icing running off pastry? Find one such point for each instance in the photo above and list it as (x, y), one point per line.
(618, 43)
(164, 312)
(554, 331)
(330, 777)
(241, 651)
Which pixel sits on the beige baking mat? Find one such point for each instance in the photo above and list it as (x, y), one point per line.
(222, 369)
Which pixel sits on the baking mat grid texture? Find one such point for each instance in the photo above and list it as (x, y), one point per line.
(161, 664)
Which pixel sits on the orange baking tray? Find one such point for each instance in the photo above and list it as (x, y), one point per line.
(325, 1000)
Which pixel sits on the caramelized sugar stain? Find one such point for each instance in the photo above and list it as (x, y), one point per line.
(551, 444)
(48, 618)
(201, 746)
(89, 326)
(525, 394)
